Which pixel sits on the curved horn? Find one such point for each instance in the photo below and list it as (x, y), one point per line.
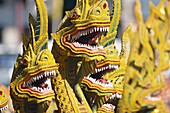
(116, 17)
(85, 8)
(110, 37)
(41, 30)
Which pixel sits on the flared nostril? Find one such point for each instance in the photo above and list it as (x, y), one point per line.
(104, 6)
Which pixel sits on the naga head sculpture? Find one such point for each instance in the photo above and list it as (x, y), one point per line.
(30, 86)
(86, 29)
(103, 87)
(3, 101)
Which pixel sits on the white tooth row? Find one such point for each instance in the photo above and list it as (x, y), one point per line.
(109, 85)
(89, 31)
(77, 44)
(42, 75)
(110, 106)
(107, 67)
(116, 95)
(4, 108)
(149, 97)
(40, 89)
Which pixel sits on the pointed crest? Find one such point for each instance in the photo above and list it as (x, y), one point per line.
(41, 30)
(85, 7)
(138, 12)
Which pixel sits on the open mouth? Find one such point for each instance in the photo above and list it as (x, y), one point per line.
(108, 108)
(156, 96)
(4, 108)
(87, 38)
(3, 101)
(40, 83)
(111, 104)
(95, 79)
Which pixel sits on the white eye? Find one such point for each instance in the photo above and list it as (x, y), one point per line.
(45, 58)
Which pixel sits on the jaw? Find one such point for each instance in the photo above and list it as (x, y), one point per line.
(95, 82)
(3, 107)
(84, 39)
(33, 107)
(36, 85)
(3, 101)
(98, 87)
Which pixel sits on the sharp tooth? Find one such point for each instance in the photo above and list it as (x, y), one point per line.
(95, 29)
(53, 72)
(34, 88)
(86, 32)
(73, 37)
(116, 66)
(113, 107)
(34, 78)
(107, 28)
(101, 29)
(98, 29)
(48, 73)
(39, 76)
(99, 70)
(24, 84)
(76, 36)
(27, 85)
(92, 30)
(100, 47)
(117, 95)
(45, 73)
(69, 37)
(96, 70)
(110, 66)
(120, 96)
(81, 34)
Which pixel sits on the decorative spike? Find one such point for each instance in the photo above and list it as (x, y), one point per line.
(138, 11)
(25, 42)
(116, 17)
(111, 35)
(41, 31)
(84, 8)
(32, 20)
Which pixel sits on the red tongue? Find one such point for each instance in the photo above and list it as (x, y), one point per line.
(92, 40)
(44, 85)
(103, 81)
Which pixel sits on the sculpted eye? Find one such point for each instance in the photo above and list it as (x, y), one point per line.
(24, 62)
(45, 58)
(75, 15)
(98, 12)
